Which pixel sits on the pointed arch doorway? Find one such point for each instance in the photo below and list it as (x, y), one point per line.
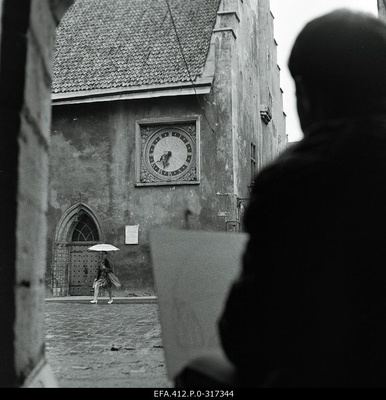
(74, 267)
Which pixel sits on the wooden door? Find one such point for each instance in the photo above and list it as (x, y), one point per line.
(83, 270)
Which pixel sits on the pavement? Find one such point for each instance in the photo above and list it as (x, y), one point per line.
(103, 345)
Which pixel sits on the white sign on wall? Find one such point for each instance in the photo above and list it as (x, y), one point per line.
(131, 234)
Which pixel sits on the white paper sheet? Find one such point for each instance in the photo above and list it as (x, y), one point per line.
(193, 272)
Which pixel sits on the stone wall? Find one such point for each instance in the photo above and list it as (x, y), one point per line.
(27, 39)
(94, 150)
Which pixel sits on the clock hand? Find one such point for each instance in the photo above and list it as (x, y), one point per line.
(165, 158)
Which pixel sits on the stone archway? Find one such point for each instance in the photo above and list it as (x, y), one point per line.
(70, 256)
(68, 221)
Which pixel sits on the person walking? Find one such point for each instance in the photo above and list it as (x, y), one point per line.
(105, 279)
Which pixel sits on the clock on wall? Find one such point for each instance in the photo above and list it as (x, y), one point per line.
(168, 154)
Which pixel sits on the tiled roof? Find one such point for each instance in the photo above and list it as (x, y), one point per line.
(108, 44)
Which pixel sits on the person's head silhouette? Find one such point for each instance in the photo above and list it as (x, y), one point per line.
(338, 63)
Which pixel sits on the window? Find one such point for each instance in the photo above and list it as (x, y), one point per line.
(85, 230)
(253, 162)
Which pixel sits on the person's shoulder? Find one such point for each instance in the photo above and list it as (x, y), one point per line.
(302, 161)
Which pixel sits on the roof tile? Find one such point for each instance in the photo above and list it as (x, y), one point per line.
(104, 44)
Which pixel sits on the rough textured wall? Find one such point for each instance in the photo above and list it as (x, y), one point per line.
(92, 160)
(251, 70)
(93, 150)
(221, 180)
(27, 37)
(14, 26)
(33, 179)
(247, 83)
(230, 121)
(274, 136)
(279, 137)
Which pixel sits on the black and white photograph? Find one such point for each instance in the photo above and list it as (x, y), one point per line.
(193, 195)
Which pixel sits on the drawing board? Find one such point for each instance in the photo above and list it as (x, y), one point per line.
(193, 272)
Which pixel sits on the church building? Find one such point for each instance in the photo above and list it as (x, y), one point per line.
(163, 111)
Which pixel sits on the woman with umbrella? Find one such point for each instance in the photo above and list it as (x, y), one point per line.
(105, 278)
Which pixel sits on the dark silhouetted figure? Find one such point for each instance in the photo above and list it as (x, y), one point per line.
(309, 307)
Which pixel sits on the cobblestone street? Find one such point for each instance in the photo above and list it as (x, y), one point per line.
(102, 345)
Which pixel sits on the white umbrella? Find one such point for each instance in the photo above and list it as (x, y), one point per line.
(103, 247)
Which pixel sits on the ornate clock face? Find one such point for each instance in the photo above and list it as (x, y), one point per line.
(169, 154)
